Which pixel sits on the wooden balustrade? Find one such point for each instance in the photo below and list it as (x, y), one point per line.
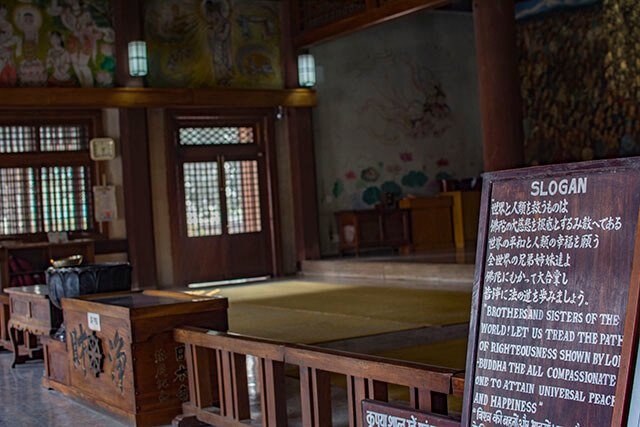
(219, 392)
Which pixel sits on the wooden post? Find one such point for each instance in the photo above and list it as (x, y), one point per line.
(315, 397)
(303, 174)
(204, 377)
(356, 392)
(273, 396)
(499, 84)
(321, 397)
(303, 162)
(134, 147)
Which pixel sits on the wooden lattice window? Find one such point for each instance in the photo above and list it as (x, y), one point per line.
(216, 135)
(202, 199)
(243, 196)
(220, 196)
(45, 177)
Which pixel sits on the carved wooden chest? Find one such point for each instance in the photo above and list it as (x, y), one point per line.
(121, 354)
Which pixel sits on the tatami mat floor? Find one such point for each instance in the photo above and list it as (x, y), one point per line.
(312, 312)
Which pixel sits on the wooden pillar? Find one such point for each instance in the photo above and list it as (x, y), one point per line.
(499, 81)
(303, 161)
(134, 143)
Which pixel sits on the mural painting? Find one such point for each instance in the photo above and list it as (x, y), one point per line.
(417, 108)
(404, 114)
(205, 43)
(399, 179)
(56, 43)
(574, 106)
(408, 110)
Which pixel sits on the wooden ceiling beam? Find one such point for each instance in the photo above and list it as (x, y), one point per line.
(126, 97)
(372, 16)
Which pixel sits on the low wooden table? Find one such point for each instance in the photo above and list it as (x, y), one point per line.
(31, 314)
(120, 353)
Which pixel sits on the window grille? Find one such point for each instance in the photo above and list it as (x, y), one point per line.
(64, 195)
(42, 198)
(63, 138)
(19, 201)
(216, 136)
(243, 196)
(202, 199)
(17, 139)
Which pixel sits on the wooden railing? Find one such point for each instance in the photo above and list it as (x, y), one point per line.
(219, 392)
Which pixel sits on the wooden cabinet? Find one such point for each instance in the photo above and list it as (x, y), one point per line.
(375, 228)
(24, 264)
(431, 223)
(120, 352)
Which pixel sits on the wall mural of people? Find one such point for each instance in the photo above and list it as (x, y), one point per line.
(10, 47)
(216, 16)
(56, 43)
(208, 43)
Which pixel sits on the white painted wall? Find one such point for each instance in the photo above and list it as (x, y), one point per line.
(380, 118)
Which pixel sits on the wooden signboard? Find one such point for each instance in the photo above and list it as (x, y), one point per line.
(555, 292)
(380, 414)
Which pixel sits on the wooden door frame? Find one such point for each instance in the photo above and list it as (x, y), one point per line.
(266, 121)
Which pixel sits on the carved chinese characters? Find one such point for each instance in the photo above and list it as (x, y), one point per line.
(87, 351)
(118, 359)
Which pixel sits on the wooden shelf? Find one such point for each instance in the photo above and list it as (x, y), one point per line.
(128, 97)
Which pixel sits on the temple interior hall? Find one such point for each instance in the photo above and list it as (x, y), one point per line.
(274, 212)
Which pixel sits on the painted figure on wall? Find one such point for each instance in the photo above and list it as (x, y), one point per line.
(204, 43)
(81, 43)
(216, 15)
(31, 71)
(10, 46)
(56, 43)
(29, 20)
(58, 61)
(417, 108)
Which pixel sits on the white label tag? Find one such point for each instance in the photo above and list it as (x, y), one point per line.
(93, 319)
